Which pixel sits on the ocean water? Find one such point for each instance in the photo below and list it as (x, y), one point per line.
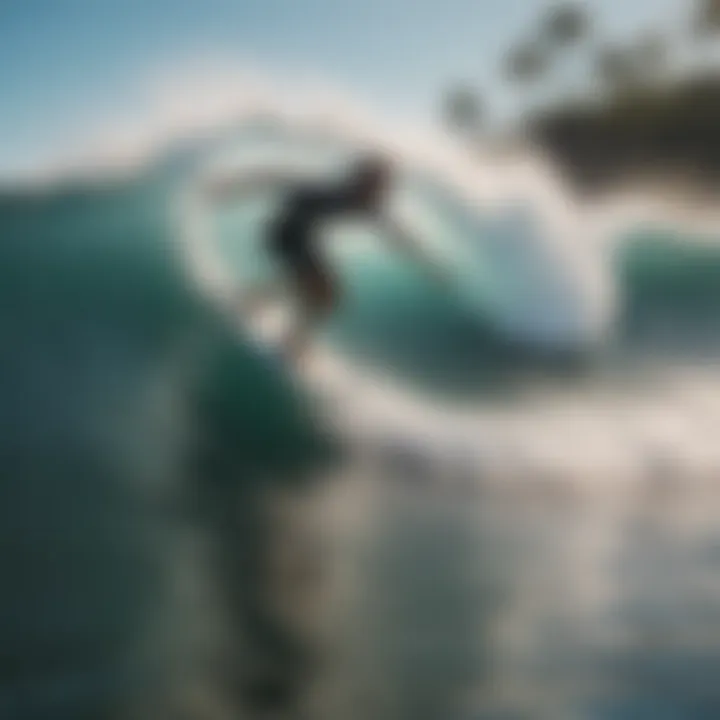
(492, 502)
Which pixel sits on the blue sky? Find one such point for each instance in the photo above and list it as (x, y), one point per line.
(63, 60)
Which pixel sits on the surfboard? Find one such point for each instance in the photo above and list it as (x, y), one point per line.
(266, 323)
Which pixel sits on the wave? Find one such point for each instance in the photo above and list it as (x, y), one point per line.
(127, 395)
(526, 266)
(128, 405)
(538, 266)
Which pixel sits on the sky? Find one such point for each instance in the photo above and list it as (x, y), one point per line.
(70, 65)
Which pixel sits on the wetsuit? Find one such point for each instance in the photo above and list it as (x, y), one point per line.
(293, 235)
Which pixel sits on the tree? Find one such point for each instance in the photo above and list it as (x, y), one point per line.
(707, 17)
(526, 63)
(462, 109)
(566, 24)
(651, 55)
(616, 68)
(622, 68)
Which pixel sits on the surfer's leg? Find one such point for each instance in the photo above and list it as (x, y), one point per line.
(318, 297)
(251, 299)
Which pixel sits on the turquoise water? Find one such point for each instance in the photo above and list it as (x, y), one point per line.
(141, 432)
(125, 398)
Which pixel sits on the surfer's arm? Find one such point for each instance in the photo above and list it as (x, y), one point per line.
(234, 187)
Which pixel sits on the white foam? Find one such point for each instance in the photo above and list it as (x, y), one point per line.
(551, 283)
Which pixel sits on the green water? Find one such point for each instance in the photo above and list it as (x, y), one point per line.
(137, 427)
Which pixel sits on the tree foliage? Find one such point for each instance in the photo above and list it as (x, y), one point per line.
(462, 108)
(566, 24)
(526, 63)
(707, 17)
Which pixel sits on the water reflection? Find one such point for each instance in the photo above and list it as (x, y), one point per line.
(521, 606)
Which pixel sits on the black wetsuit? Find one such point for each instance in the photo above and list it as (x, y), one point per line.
(293, 235)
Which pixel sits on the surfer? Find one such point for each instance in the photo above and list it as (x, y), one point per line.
(292, 234)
